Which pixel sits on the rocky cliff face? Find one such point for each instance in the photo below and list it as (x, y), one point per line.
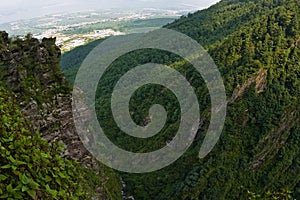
(30, 70)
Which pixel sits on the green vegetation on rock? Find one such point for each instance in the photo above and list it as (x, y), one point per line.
(41, 154)
(31, 168)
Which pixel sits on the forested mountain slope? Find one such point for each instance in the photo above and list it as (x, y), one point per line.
(256, 45)
(260, 63)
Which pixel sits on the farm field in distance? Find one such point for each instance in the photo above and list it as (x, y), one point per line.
(75, 29)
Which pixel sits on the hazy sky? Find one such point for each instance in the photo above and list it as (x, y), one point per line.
(12, 10)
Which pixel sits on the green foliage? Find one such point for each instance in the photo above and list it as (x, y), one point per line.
(259, 147)
(283, 195)
(31, 68)
(29, 167)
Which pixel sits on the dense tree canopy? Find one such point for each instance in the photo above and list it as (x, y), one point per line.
(255, 44)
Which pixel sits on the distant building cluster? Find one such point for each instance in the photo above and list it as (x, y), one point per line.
(105, 33)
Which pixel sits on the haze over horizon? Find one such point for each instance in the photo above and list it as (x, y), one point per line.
(15, 10)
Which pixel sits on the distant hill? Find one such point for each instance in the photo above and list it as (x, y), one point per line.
(71, 61)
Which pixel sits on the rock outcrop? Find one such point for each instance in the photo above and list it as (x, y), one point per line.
(30, 70)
